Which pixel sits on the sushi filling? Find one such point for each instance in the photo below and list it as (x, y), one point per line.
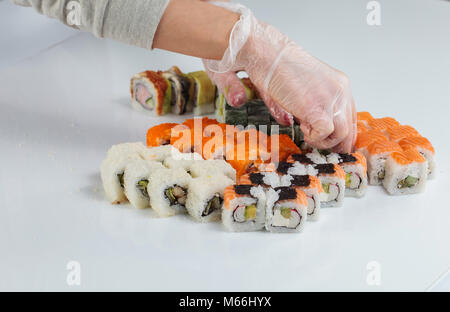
(176, 195)
(215, 203)
(331, 190)
(142, 186)
(407, 182)
(244, 213)
(352, 180)
(311, 205)
(120, 178)
(144, 97)
(286, 217)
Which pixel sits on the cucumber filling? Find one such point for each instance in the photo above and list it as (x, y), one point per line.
(244, 213)
(381, 174)
(326, 187)
(213, 204)
(142, 186)
(250, 212)
(407, 182)
(176, 195)
(286, 217)
(149, 102)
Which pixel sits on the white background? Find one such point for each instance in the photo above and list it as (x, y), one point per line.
(64, 99)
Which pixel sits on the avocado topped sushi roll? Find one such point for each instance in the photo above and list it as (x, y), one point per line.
(203, 93)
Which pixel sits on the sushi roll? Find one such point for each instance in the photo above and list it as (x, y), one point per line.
(301, 158)
(311, 186)
(364, 117)
(212, 167)
(361, 127)
(365, 139)
(183, 161)
(152, 92)
(264, 179)
(204, 93)
(286, 210)
(355, 168)
(296, 168)
(244, 208)
(383, 124)
(257, 113)
(205, 197)
(160, 134)
(424, 147)
(112, 175)
(180, 90)
(168, 191)
(332, 178)
(378, 152)
(406, 173)
(160, 153)
(235, 115)
(400, 132)
(220, 103)
(136, 178)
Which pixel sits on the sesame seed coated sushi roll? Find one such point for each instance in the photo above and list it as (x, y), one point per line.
(332, 178)
(183, 161)
(168, 191)
(378, 152)
(406, 173)
(124, 149)
(286, 210)
(136, 177)
(312, 188)
(212, 167)
(244, 208)
(205, 198)
(424, 147)
(160, 153)
(151, 91)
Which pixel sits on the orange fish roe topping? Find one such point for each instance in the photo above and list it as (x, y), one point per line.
(364, 116)
(383, 123)
(366, 138)
(160, 134)
(399, 132)
(407, 157)
(414, 142)
(380, 147)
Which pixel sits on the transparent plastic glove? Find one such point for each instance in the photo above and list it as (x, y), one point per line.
(287, 76)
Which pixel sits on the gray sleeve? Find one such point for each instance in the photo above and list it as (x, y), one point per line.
(130, 21)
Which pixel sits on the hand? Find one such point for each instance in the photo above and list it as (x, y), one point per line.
(289, 80)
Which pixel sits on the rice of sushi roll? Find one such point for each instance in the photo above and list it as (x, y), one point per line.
(204, 93)
(180, 89)
(332, 178)
(212, 167)
(182, 161)
(424, 147)
(205, 197)
(152, 92)
(160, 153)
(124, 149)
(286, 210)
(244, 208)
(312, 188)
(406, 173)
(377, 153)
(112, 174)
(168, 191)
(355, 168)
(136, 179)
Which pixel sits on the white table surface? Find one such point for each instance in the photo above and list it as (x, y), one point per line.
(63, 107)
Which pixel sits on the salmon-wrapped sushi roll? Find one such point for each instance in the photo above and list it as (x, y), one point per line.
(365, 139)
(151, 91)
(355, 168)
(286, 210)
(364, 117)
(160, 134)
(383, 123)
(244, 208)
(361, 127)
(378, 153)
(406, 173)
(312, 188)
(400, 132)
(332, 178)
(424, 147)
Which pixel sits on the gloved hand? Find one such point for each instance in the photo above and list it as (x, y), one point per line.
(289, 79)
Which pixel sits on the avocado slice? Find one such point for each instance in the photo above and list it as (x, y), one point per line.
(348, 179)
(326, 187)
(142, 186)
(286, 212)
(409, 181)
(250, 212)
